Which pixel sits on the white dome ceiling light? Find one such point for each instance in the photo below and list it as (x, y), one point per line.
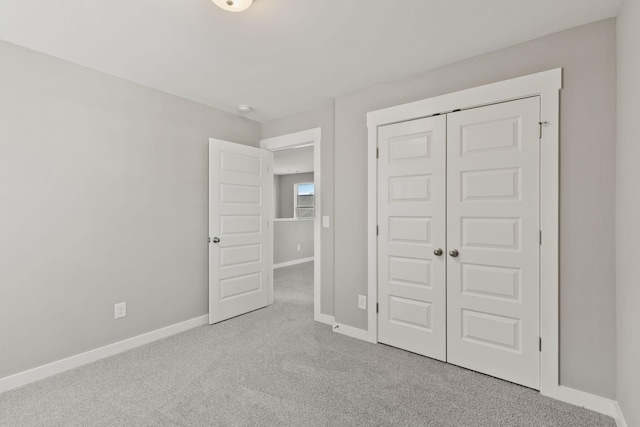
(233, 5)
(244, 109)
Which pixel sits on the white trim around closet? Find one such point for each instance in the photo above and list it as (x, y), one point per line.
(547, 85)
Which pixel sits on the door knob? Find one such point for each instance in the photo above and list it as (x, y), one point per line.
(454, 253)
(438, 252)
(216, 240)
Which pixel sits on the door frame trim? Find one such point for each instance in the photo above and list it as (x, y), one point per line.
(547, 85)
(297, 139)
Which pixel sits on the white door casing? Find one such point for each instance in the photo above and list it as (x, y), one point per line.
(240, 263)
(411, 221)
(547, 86)
(300, 139)
(493, 222)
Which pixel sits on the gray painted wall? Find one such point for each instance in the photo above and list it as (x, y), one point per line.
(628, 212)
(106, 200)
(287, 235)
(103, 199)
(588, 133)
(285, 192)
(319, 117)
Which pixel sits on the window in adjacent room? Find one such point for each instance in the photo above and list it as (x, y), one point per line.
(304, 200)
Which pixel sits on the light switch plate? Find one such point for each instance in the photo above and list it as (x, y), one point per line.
(325, 221)
(362, 302)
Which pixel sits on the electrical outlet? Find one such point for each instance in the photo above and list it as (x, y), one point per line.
(362, 302)
(298, 248)
(121, 310)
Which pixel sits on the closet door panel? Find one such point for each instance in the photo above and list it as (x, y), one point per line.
(411, 224)
(493, 224)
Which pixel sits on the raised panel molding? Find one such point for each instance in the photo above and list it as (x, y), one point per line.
(234, 287)
(239, 255)
(412, 313)
(504, 184)
(232, 162)
(505, 136)
(413, 188)
(491, 330)
(410, 271)
(491, 233)
(240, 194)
(410, 229)
(504, 282)
(246, 224)
(410, 147)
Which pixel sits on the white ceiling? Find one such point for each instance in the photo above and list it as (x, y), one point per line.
(280, 56)
(293, 160)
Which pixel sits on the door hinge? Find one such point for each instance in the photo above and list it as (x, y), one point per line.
(540, 127)
(540, 236)
(377, 308)
(377, 230)
(377, 153)
(539, 343)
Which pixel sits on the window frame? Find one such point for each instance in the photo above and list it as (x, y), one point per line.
(295, 200)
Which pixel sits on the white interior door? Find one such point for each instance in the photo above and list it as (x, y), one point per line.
(493, 223)
(411, 226)
(241, 246)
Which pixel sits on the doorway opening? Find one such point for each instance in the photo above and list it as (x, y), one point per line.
(297, 205)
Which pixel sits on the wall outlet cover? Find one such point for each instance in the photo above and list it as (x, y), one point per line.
(120, 310)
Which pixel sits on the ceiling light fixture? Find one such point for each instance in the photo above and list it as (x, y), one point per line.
(244, 109)
(233, 5)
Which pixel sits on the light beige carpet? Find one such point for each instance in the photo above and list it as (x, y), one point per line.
(276, 367)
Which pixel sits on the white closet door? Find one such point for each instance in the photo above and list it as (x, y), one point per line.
(493, 222)
(411, 221)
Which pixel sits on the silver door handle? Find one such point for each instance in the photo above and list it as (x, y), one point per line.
(454, 253)
(437, 252)
(216, 240)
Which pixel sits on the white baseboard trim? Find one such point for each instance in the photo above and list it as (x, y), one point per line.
(57, 367)
(325, 318)
(589, 401)
(352, 332)
(294, 262)
(620, 421)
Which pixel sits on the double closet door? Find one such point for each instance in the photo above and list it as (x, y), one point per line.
(459, 238)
